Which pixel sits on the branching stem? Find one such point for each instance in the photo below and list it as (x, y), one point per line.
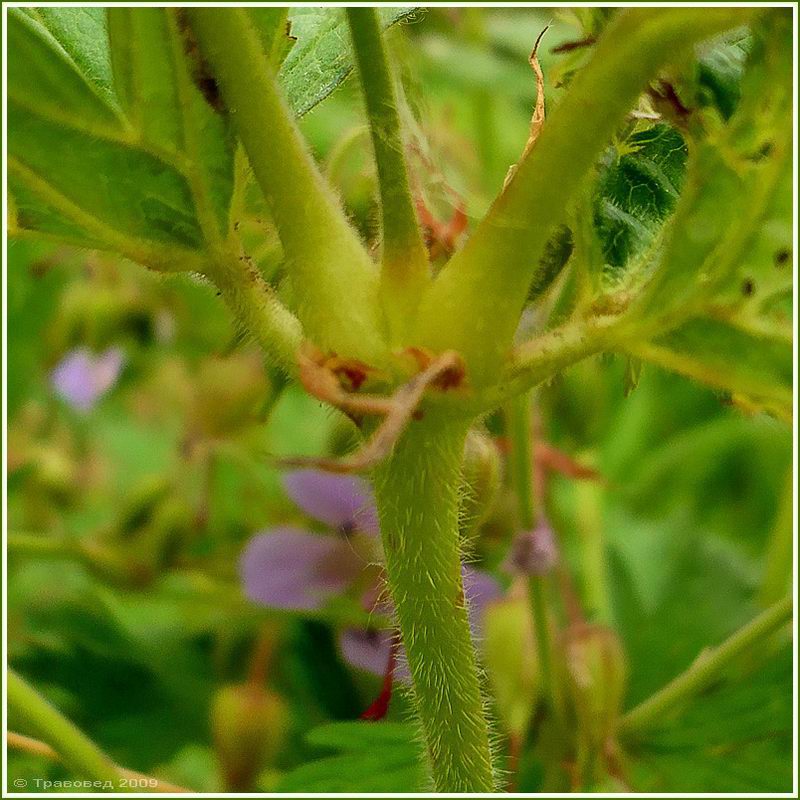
(335, 283)
(404, 273)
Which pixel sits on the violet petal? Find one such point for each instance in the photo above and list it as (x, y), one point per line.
(480, 589)
(368, 650)
(293, 569)
(82, 377)
(341, 501)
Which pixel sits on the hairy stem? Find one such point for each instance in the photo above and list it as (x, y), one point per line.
(474, 304)
(405, 272)
(335, 283)
(259, 311)
(705, 668)
(75, 749)
(417, 492)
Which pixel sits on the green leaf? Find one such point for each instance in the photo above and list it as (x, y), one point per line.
(118, 153)
(82, 33)
(321, 56)
(737, 737)
(637, 191)
(370, 757)
(166, 96)
(750, 363)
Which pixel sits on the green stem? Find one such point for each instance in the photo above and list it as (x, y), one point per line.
(259, 311)
(333, 277)
(474, 304)
(777, 575)
(405, 260)
(520, 432)
(705, 668)
(76, 750)
(418, 500)
(589, 519)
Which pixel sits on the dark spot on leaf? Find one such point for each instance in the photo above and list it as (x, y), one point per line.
(748, 287)
(782, 257)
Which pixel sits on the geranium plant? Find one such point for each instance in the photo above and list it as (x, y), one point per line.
(649, 215)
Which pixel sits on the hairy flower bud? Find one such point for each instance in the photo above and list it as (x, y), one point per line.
(511, 662)
(481, 481)
(596, 678)
(248, 723)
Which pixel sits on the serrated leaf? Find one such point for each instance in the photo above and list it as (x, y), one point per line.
(321, 56)
(372, 757)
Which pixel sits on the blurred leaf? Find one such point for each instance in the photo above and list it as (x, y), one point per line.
(702, 348)
(371, 757)
(736, 737)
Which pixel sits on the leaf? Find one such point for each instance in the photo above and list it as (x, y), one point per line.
(370, 757)
(755, 365)
(737, 737)
(161, 85)
(89, 166)
(321, 57)
(81, 31)
(636, 192)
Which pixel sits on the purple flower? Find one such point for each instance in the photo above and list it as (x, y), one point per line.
(294, 569)
(298, 570)
(82, 377)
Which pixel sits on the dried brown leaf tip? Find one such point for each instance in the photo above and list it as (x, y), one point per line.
(537, 118)
(322, 377)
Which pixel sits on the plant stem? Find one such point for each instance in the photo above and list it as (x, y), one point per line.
(260, 312)
(146, 783)
(334, 280)
(705, 668)
(474, 304)
(520, 432)
(405, 260)
(75, 749)
(418, 498)
(777, 574)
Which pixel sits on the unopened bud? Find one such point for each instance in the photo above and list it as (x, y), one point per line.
(511, 662)
(248, 723)
(533, 552)
(596, 678)
(481, 481)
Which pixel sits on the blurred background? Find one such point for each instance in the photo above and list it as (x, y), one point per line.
(142, 434)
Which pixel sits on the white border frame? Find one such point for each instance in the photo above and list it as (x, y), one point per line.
(550, 4)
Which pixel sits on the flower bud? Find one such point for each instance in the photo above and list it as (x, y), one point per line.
(248, 723)
(596, 678)
(231, 393)
(511, 663)
(533, 552)
(481, 481)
